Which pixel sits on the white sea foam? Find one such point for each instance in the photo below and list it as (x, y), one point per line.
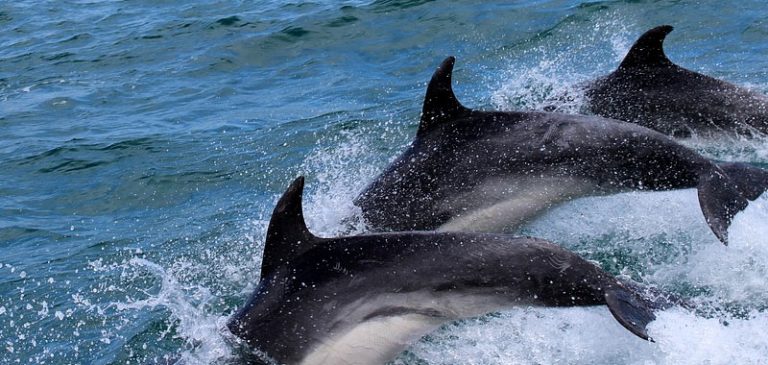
(692, 255)
(676, 217)
(592, 336)
(536, 336)
(684, 338)
(736, 273)
(664, 231)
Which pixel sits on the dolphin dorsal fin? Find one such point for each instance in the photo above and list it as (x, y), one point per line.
(648, 50)
(440, 103)
(287, 235)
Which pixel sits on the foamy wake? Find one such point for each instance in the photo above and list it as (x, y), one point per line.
(592, 336)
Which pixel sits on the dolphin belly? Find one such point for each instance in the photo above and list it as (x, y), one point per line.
(374, 330)
(514, 200)
(375, 341)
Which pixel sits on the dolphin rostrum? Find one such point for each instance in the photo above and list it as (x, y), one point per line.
(490, 171)
(364, 299)
(649, 89)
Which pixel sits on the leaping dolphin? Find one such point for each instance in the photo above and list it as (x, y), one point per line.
(489, 171)
(649, 89)
(364, 299)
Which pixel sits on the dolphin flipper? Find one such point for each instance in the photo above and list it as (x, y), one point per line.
(630, 310)
(720, 200)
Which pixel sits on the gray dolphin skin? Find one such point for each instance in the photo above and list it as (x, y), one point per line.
(480, 171)
(364, 299)
(650, 90)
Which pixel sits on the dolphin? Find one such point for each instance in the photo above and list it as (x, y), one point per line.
(490, 171)
(363, 299)
(649, 89)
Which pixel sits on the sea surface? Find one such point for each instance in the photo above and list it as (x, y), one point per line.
(143, 145)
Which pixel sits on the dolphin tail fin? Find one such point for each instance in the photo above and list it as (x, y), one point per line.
(440, 103)
(720, 199)
(630, 310)
(751, 181)
(648, 50)
(287, 235)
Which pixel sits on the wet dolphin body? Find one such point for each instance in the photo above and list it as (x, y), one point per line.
(471, 170)
(650, 90)
(364, 299)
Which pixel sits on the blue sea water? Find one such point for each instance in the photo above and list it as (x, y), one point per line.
(143, 145)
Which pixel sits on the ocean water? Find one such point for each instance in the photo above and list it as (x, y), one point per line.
(143, 145)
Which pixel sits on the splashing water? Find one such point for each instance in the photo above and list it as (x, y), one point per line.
(555, 82)
(576, 335)
(337, 184)
(687, 339)
(735, 274)
(731, 148)
(205, 335)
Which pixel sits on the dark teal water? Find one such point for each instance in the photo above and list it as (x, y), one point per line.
(143, 145)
